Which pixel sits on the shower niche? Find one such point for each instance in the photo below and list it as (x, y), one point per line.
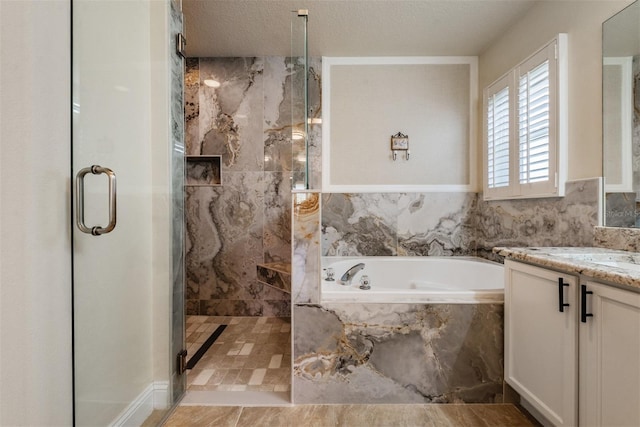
(203, 170)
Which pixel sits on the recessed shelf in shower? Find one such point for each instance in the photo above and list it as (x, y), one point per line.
(203, 171)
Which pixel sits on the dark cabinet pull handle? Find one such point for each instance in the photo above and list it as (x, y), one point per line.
(561, 303)
(583, 303)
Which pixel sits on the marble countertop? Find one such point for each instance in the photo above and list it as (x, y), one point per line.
(608, 265)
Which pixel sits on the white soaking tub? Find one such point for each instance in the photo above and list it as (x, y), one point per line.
(446, 280)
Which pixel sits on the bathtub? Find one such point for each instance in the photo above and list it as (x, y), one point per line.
(446, 280)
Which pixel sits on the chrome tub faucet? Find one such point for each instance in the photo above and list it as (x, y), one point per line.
(347, 277)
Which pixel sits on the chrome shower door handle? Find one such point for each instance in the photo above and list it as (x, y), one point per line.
(95, 230)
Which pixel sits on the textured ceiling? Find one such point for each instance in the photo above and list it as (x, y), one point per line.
(348, 27)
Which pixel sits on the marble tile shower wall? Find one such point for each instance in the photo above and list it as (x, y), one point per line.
(247, 220)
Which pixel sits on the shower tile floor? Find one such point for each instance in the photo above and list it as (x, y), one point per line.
(253, 354)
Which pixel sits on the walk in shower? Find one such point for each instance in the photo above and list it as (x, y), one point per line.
(246, 139)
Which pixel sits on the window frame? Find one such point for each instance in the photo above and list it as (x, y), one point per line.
(555, 52)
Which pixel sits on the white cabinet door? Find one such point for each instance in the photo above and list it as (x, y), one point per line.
(610, 357)
(541, 340)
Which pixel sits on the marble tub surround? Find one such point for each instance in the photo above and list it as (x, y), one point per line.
(624, 239)
(341, 350)
(613, 266)
(458, 224)
(436, 224)
(397, 353)
(562, 221)
(359, 224)
(388, 224)
(306, 248)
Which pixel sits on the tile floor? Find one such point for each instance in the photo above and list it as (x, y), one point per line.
(252, 354)
(450, 415)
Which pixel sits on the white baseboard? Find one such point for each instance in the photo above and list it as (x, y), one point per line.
(155, 396)
(161, 395)
(534, 412)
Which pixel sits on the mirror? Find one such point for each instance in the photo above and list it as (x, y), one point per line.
(621, 117)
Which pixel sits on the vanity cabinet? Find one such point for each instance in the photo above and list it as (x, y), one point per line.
(541, 345)
(609, 356)
(572, 347)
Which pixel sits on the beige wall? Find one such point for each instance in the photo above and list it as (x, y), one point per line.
(35, 258)
(371, 99)
(582, 20)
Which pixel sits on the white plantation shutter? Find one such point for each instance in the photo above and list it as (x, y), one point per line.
(498, 139)
(525, 145)
(499, 157)
(533, 124)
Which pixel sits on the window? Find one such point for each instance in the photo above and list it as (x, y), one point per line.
(525, 132)
(498, 137)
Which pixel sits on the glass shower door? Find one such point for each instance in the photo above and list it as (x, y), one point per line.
(125, 239)
(299, 100)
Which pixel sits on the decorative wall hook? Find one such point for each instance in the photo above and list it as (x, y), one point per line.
(400, 142)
